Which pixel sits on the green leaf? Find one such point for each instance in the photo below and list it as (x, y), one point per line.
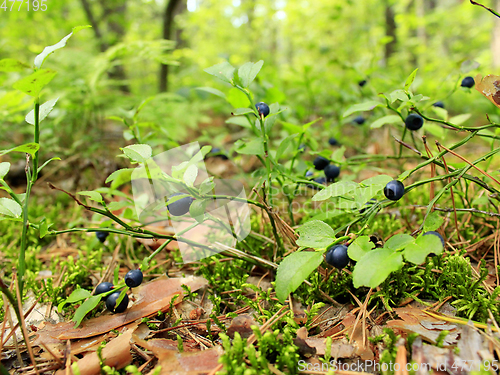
(43, 228)
(45, 109)
(460, 119)
(338, 155)
(398, 95)
(291, 128)
(47, 162)
(293, 270)
(190, 175)
(391, 119)
(367, 106)
(468, 65)
(379, 180)
(315, 234)
(115, 206)
(398, 242)
(360, 247)
(285, 143)
(10, 207)
(337, 189)
(224, 71)
(403, 176)
(433, 221)
(28, 148)
(423, 246)
(434, 129)
(119, 177)
(440, 112)
(410, 79)
(212, 91)
(138, 153)
(48, 50)
(242, 111)
(4, 169)
(207, 186)
(12, 65)
(241, 121)
(252, 147)
(237, 99)
(34, 83)
(249, 71)
(85, 308)
(375, 267)
(77, 295)
(93, 195)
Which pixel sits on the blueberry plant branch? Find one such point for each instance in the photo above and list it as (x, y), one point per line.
(485, 7)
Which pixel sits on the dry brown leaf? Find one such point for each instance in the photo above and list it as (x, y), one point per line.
(242, 324)
(489, 86)
(152, 297)
(186, 363)
(415, 320)
(340, 349)
(116, 354)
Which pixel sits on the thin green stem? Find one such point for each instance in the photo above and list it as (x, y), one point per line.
(36, 138)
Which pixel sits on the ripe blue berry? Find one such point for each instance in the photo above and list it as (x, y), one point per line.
(331, 172)
(111, 303)
(103, 288)
(439, 104)
(362, 83)
(181, 206)
(309, 173)
(337, 256)
(394, 190)
(133, 278)
(333, 142)
(101, 236)
(414, 121)
(360, 120)
(320, 163)
(436, 234)
(467, 82)
(262, 108)
(319, 180)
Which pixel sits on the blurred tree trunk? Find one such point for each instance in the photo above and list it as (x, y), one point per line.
(113, 16)
(390, 31)
(495, 40)
(171, 10)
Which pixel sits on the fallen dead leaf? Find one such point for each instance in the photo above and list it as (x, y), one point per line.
(415, 320)
(187, 363)
(242, 324)
(152, 297)
(115, 354)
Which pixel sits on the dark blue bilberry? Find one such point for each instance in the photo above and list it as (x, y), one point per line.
(262, 108)
(331, 172)
(181, 206)
(414, 121)
(394, 190)
(468, 82)
(111, 303)
(133, 278)
(103, 288)
(320, 163)
(337, 257)
(101, 236)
